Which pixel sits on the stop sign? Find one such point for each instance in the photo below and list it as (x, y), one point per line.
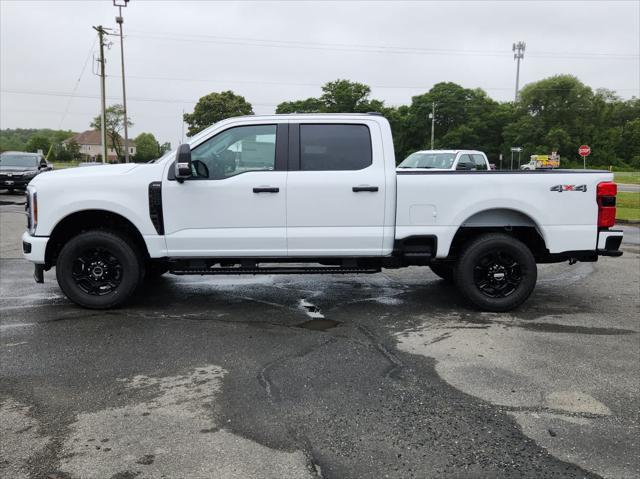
(584, 150)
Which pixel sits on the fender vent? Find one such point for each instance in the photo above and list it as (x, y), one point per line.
(155, 206)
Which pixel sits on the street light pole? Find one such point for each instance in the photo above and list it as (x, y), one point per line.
(518, 54)
(120, 21)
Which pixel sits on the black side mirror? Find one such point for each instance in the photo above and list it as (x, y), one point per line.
(182, 166)
(464, 166)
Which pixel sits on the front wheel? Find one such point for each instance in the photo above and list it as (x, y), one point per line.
(496, 272)
(98, 270)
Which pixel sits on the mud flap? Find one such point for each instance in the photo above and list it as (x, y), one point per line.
(38, 273)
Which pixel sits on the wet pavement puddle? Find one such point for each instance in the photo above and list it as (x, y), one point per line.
(319, 324)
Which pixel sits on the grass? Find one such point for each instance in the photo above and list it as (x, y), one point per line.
(629, 177)
(628, 206)
(59, 165)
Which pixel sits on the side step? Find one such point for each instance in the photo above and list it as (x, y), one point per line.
(274, 270)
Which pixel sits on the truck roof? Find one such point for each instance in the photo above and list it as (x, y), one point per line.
(377, 117)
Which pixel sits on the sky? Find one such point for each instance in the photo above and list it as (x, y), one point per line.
(269, 52)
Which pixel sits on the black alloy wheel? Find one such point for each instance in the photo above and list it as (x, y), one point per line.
(496, 272)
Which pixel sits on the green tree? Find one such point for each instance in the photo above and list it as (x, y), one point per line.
(166, 146)
(147, 148)
(215, 107)
(344, 96)
(310, 105)
(114, 125)
(38, 142)
(339, 96)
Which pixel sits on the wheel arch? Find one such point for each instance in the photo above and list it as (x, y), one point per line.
(511, 221)
(85, 220)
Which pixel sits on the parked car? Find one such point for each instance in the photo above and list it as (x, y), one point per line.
(464, 160)
(18, 168)
(325, 198)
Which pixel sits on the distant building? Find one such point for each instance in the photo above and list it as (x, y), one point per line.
(91, 146)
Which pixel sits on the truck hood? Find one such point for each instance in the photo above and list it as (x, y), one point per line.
(17, 169)
(86, 172)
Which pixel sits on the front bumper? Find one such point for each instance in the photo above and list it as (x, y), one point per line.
(17, 182)
(34, 247)
(609, 242)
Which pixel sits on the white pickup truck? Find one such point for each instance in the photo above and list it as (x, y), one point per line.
(310, 194)
(446, 160)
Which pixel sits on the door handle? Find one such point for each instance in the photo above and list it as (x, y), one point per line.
(358, 189)
(266, 189)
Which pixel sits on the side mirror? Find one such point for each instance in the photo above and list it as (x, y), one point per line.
(182, 166)
(463, 166)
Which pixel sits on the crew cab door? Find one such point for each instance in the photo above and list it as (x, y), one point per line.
(335, 189)
(234, 204)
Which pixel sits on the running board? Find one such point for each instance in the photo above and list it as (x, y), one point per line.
(274, 270)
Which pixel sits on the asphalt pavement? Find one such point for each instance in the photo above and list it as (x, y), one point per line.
(628, 187)
(388, 375)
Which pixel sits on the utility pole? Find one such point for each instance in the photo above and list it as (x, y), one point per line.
(432, 115)
(103, 117)
(518, 54)
(120, 21)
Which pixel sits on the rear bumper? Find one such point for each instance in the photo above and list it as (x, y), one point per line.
(609, 242)
(34, 247)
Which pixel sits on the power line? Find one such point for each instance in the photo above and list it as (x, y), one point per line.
(310, 84)
(197, 38)
(75, 87)
(65, 94)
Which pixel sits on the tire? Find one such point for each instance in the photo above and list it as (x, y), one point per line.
(155, 268)
(443, 270)
(98, 269)
(496, 272)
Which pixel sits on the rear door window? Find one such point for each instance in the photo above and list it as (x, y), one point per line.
(481, 163)
(334, 147)
(465, 162)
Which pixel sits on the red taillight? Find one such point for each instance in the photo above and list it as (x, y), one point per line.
(606, 197)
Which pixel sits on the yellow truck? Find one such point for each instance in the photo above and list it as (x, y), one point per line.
(539, 162)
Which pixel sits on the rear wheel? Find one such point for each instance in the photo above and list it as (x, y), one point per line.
(98, 269)
(496, 272)
(444, 270)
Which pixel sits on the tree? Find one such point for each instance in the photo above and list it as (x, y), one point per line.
(310, 105)
(114, 125)
(147, 148)
(38, 142)
(344, 96)
(166, 146)
(215, 107)
(340, 96)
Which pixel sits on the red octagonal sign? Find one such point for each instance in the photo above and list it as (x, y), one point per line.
(584, 150)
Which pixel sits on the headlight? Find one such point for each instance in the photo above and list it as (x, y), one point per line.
(32, 210)
(29, 174)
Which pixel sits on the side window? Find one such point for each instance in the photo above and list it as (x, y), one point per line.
(465, 163)
(234, 151)
(481, 163)
(334, 147)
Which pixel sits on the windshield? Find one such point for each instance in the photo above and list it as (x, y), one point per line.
(428, 160)
(29, 161)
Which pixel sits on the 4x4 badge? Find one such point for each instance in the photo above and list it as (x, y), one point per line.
(561, 188)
